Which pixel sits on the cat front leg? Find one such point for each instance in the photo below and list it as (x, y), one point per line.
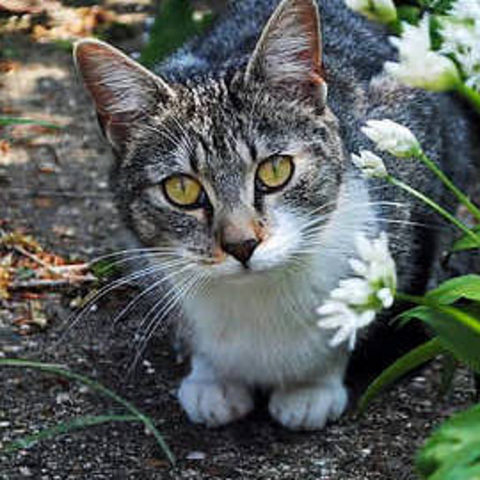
(210, 400)
(309, 406)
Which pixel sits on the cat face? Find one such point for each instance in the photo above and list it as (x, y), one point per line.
(237, 173)
(231, 189)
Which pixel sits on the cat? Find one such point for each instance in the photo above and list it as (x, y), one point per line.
(233, 162)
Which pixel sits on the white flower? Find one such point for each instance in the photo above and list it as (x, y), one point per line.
(382, 11)
(356, 301)
(460, 32)
(370, 164)
(392, 138)
(376, 263)
(419, 65)
(346, 320)
(465, 10)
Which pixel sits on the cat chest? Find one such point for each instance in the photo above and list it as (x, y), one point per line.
(266, 339)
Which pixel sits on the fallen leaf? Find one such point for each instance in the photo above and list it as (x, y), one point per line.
(18, 238)
(46, 169)
(8, 66)
(4, 147)
(5, 279)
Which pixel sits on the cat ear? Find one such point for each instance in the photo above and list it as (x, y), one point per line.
(288, 55)
(123, 91)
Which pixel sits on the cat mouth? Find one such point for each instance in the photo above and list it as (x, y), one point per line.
(239, 273)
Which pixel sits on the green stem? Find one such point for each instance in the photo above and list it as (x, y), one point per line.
(436, 207)
(473, 209)
(470, 94)
(405, 297)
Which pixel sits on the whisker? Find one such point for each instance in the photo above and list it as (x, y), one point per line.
(138, 251)
(411, 224)
(147, 290)
(163, 257)
(75, 317)
(178, 294)
(370, 203)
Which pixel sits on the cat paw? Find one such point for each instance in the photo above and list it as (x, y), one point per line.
(308, 408)
(214, 404)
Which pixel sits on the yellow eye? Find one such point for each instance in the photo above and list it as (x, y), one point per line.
(182, 190)
(275, 172)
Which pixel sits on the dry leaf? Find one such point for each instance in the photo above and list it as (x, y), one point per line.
(18, 238)
(4, 147)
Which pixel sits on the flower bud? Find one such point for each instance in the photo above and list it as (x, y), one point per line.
(392, 138)
(382, 11)
(371, 165)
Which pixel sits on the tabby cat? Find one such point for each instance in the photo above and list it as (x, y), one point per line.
(234, 166)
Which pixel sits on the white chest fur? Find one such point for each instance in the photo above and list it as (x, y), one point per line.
(261, 329)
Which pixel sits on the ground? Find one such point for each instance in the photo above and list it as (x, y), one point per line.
(54, 186)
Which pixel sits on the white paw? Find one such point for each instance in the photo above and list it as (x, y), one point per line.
(212, 403)
(310, 407)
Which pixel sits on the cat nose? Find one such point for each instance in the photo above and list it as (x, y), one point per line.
(242, 251)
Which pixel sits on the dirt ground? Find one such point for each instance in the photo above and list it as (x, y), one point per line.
(54, 186)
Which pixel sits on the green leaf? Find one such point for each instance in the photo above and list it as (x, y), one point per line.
(6, 121)
(467, 286)
(408, 13)
(458, 330)
(65, 427)
(106, 268)
(416, 312)
(62, 372)
(453, 451)
(174, 25)
(439, 7)
(408, 362)
(466, 242)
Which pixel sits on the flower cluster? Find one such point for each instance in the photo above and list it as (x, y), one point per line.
(460, 31)
(390, 137)
(382, 11)
(356, 301)
(419, 65)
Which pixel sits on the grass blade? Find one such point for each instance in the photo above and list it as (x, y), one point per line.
(413, 359)
(6, 121)
(61, 371)
(65, 427)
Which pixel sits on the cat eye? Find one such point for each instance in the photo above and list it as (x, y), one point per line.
(183, 191)
(274, 173)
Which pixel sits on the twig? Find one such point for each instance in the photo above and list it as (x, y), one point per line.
(33, 257)
(55, 270)
(46, 284)
(74, 268)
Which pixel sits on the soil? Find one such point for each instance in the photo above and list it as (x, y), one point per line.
(54, 186)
